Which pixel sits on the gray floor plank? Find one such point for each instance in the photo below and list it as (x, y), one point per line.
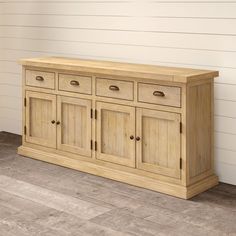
(37, 198)
(58, 201)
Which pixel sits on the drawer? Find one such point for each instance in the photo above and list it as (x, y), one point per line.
(40, 79)
(75, 83)
(159, 94)
(114, 89)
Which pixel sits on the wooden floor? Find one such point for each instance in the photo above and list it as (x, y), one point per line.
(38, 198)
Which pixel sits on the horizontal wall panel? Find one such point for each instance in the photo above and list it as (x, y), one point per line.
(139, 8)
(199, 34)
(225, 125)
(10, 102)
(29, 1)
(11, 113)
(10, 67)
(10, 79)
(11, 125)
(12, 91)
(225, 156)
(184, 56)
(226, 172)
(225, 141)
(225, 92)
(191, 25)
(225, 108)
(227, 75)
(150, 39)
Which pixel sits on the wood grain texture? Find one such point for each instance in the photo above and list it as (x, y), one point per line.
(124, 90)
(74, 131)
(122, 69)
(169, 47)
(158, 150)
(172, 95)
(200, 129)
(120, 133)
(40, 112)
(83, 85)
(136, 180)
(133, 210)
(48, 79)
(115, 125)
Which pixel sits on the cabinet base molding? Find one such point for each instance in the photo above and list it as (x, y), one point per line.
(180, 191)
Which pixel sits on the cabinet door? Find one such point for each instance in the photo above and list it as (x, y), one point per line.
(74, 130)
(158, 149)
(40, 117)
(115, 126)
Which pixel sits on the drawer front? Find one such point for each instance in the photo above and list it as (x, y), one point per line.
(159, 94)
(40, 79)
(75, 83)
(114, 89)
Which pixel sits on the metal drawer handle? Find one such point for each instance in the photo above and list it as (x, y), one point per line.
(158, 94)
(114, 88)
(74, 82)
(39, 78)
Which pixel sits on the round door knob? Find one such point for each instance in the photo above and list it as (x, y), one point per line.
(53, 121)
(131, 137)
(58, 123)
(137, 138)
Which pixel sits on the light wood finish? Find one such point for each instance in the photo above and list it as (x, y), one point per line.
(74, 130)
(40, 112)
(159, 147)
(163, 95)
(155, 72)
(164, 144)
(114, 89)
(75, 83)
(40, 79)
(115, 125)
(200, 130)
(88, 205)
(119, 175)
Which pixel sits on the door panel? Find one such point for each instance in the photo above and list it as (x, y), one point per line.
(115, 125)
(40, 112)
(158, 150)
(74, 132)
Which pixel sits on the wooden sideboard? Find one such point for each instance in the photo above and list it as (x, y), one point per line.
(144, 125)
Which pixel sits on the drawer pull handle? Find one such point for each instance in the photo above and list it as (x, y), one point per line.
(53, 121)
(131, 137)
(74, 82)
(158, 94)
(114, 88)
(39, 78)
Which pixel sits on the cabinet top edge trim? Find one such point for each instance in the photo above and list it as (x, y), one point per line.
(155, 72)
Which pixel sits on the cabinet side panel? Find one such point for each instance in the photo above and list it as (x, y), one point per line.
(200, 125)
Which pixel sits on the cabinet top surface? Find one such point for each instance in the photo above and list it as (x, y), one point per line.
(155, 72)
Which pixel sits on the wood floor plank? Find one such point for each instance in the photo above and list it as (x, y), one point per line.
(58, 201)
(37, 198)
(128, 223)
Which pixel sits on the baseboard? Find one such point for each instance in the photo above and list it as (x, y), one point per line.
(119, 175)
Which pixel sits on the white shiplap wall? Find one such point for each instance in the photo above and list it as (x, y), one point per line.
(1, 46)
(193, 33)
